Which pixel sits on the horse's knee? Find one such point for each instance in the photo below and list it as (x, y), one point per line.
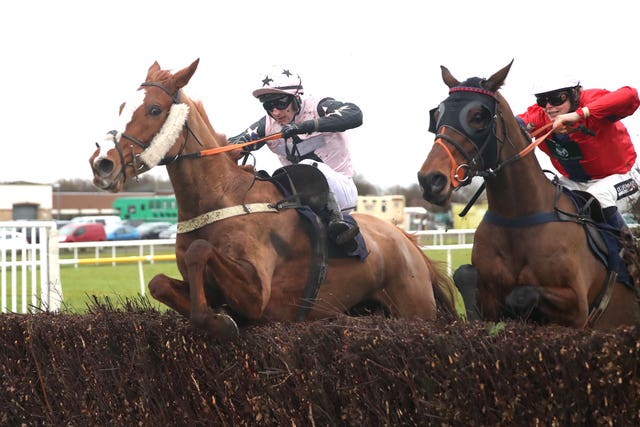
(523, 302)
(159, 286)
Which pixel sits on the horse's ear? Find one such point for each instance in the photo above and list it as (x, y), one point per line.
(182, 77)
(155, 67)
(496, 81)
(448, 79)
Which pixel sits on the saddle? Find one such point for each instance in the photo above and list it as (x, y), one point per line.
(304, 186)
(306, 189)
(615, 248)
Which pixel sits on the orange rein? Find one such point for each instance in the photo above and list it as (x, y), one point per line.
(537, 141)
(230, 147)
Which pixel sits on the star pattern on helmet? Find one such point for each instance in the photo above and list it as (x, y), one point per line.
(286, 73)
(266, 81)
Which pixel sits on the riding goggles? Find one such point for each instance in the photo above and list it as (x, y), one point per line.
(553, 99)
(279, 103)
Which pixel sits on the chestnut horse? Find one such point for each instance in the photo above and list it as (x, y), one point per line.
(242, 258)
(531, 258)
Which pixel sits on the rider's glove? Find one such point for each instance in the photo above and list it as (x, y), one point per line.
(291, 129)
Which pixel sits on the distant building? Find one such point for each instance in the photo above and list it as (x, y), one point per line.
(44, 202)
(415, 218)
(389, 208)
(25, 201)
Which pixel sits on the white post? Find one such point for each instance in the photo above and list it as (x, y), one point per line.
(52, 282)
(141, 275)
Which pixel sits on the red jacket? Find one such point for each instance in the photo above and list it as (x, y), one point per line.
(582, 157)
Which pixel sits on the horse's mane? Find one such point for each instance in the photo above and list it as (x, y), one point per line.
(219, 137)
(474, 82)
(480, 83)
(164, 75)
(160, 76)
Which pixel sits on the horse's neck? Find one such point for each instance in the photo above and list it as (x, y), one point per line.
(520, 187)
(208, 183)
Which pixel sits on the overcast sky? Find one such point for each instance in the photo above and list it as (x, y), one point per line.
(68, 65)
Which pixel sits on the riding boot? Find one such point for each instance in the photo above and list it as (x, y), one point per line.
(629, 251)
(341, 232)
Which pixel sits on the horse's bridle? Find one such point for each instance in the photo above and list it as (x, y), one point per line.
(461, 173)
(467, 171)
(480, 156)
(137, 168)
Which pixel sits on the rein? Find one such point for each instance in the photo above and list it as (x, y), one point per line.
(230, 147)
(211, 151)
(522, 153)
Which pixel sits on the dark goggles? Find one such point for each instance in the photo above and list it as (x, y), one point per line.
(555, 99)
(279, 103)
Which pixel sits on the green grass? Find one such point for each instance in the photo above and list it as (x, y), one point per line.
(458, 257)
(118, 283)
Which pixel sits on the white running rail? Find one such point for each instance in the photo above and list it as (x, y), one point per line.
(30, 273)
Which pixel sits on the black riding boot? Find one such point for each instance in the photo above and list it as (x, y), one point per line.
(341, 232)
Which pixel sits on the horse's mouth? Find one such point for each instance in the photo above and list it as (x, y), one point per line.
(113, 186)
(435, 188)
(440, 199)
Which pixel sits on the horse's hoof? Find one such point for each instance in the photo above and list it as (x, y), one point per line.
(229, 328)
(222, 326)
(523, 301)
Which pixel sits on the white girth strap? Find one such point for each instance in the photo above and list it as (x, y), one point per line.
(217, 215)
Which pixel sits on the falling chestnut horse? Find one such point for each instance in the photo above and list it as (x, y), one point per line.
(244, 256)
(531, 257)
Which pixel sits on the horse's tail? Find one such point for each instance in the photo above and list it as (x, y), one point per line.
(444, 289)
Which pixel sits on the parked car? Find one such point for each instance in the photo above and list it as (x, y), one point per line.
(61, 223)
(78, 232)
(150, 230)
(106, 220)
(169, 232)
(122, 232)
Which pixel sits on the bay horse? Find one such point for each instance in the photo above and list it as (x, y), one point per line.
(242, 258)
(531, 258)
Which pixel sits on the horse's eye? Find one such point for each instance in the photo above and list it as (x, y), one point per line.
(155, 110)
(479, 118)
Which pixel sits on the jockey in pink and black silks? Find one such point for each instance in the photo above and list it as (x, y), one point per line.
(589, 146)
(313, 131)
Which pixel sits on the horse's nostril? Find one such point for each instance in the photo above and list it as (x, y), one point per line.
(104, 167)
(438, 182)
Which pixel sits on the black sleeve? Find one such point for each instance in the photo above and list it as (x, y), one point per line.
(336, 116)
(253, 132)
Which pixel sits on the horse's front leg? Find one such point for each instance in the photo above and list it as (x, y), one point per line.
(559, 305)
(238, 282)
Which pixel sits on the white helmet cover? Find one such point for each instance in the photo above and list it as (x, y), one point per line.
(555, 85)
(280, 80)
